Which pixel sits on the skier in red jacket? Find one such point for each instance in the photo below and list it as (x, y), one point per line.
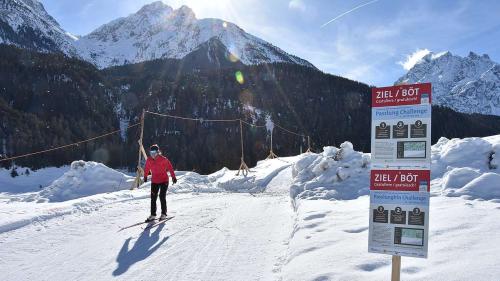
(158, 165)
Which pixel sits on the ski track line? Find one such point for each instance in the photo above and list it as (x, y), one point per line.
(189, 264)
(231, 236)
(87, 207)
(83, 207)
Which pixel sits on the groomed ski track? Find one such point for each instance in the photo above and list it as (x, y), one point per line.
(223, 236)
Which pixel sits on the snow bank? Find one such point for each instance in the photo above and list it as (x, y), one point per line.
(457, 153)
(486, 186)
(458, 177)
(460, 167)
(83, 179)
(337, 173)
(466, 167)
(226, 180)
(258, 178)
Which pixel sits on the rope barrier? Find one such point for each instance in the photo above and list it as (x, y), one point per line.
(243, 166)
(253, 125)
(67, 145)
(193, 119)
(286, 130)
(224, 120)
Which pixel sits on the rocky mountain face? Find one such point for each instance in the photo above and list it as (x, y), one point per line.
(158, 31)
(26, 24)
(466, 84)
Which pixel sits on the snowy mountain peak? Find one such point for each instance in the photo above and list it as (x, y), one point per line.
(186, 12)
(468, 84)
(155, 31)
(158, 31)
(155, 7)
(26, 24)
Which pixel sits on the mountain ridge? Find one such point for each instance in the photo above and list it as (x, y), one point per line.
(468, 84)
(155, 31)
(26, 24)
(159, 31)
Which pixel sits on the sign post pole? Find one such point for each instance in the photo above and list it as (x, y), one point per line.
(396, 268)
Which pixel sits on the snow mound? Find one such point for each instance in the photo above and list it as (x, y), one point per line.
(495, 157)
(194, 182)
(460, 167)
(83, 179)
(486, 186)
(258, 178)
(468, 152)
(466, 167)
(226, 180)
(337, 173)
(459, 177)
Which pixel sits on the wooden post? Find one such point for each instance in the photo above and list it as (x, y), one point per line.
(243, 166)
(396, 268)
(308, 144)
(271, 153)
(140, 171)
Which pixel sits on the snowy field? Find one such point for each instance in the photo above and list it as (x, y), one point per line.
(293, 218)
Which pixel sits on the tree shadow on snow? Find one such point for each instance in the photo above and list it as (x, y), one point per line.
(146, 244)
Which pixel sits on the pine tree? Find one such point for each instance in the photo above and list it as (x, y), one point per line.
(13, 172)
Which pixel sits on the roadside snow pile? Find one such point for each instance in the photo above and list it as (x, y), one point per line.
(456, 153)
(226, 180)
(337, 173)
(460, 167)
(486, 186)
(83, 179)
(193, 182)
(466, 167)
(258, 178)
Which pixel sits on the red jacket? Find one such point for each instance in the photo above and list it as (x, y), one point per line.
(158, 168)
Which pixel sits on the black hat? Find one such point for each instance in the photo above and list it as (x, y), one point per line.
(154, 147)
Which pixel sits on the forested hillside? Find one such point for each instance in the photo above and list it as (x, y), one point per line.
(49, 100)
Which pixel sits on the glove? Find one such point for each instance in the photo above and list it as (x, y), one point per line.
(174, 180)
(145, 179)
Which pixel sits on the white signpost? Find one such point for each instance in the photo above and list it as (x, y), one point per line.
(400, 175)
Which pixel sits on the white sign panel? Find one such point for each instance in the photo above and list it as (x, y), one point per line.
(400, 176)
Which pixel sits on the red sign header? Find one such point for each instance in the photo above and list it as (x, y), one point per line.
(400, 180)
(401, 95)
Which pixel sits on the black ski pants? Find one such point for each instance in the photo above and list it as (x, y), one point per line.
(162, 189)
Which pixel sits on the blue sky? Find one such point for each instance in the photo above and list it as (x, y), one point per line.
(369, 44)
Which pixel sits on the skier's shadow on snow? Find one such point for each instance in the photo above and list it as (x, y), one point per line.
(146, 244)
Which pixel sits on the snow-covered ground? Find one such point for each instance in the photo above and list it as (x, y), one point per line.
(292, 218)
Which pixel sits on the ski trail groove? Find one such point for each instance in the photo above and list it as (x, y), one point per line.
(225, 236)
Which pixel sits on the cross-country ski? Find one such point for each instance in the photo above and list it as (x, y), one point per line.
(154, 224)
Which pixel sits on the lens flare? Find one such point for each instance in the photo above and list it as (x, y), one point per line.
(233, 58)
(239, 77)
